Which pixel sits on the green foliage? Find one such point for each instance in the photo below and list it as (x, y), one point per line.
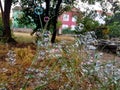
(67, 31)
(102, 32)
(23, 21)
(115, 29)
(113, 23)
(59, 23)
(67, 8)
(111, 19)
(31, 17)
(88, 24)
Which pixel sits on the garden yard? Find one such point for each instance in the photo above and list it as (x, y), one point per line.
(81, 58)
(63, 66)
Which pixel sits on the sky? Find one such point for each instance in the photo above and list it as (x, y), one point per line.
(96, 6)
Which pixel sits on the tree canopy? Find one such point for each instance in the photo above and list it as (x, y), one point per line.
(37, 11)
(51, 10)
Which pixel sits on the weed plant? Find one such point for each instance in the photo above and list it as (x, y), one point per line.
(61, 66)
(65, 66)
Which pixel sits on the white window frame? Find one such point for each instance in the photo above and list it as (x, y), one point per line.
(66, 17)
(72, 27)
(64, 26)
(74, 18)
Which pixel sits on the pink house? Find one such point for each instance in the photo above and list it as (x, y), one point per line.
(68, 20)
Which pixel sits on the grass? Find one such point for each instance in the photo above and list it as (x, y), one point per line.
(63, 66)
(27, 38)
(23, 37)
(67, 38)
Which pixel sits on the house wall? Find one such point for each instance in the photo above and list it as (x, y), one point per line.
(68, 21)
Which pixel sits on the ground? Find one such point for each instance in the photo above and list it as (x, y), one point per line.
(108, 56)
(25, 39)
(24, 70)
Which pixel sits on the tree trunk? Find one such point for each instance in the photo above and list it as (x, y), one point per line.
(55, 21)
(6, 19)
(54, 31)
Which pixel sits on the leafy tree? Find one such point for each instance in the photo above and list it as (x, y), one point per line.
(112, 19)
(113, 23)
(87, 22)
(52, 10)
(102, 32)
(56, 4)
(114, 29)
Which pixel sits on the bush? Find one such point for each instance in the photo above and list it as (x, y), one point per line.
(114, 29)
(102, 32)
(113, 23)
(67, 31)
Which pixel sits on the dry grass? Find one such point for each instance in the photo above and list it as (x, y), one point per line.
(22, 34)
(15, 73)
(67, 38)
(23, 37)
(27, 38)
(63, 72)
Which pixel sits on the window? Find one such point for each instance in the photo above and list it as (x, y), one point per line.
(72, 27)
(64, 26)
(65, 17)
(74, 19)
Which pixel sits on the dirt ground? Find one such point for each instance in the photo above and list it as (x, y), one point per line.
(110, 56)
(105, 56)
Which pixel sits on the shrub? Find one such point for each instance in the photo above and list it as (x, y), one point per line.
(113, 23)
(102, 32)
(114, 29)
(67, 31)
